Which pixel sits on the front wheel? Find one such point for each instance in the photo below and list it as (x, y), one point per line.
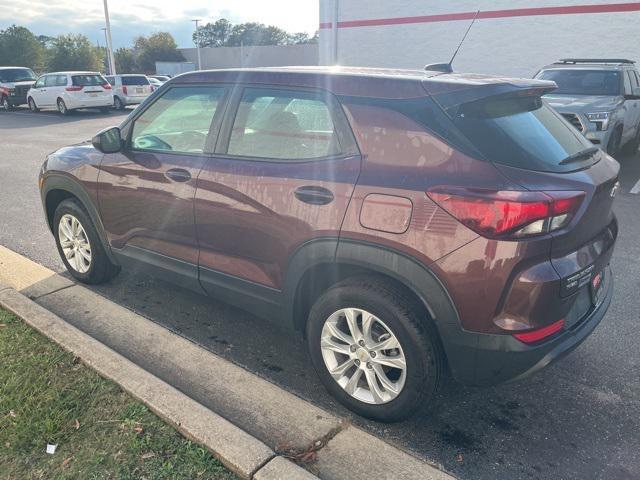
(632, 147)
(79, 244)
(32, 105)
(5, 105)
(373, 350)
(613, 146)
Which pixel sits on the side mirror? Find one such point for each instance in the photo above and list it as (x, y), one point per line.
(108, 140)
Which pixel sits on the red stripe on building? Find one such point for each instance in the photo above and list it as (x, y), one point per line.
(515, 12)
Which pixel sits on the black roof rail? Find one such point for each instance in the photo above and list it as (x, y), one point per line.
(594, 60)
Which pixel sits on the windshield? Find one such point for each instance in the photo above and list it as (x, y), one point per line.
(521, 132)
(583, 82)
(17, 75)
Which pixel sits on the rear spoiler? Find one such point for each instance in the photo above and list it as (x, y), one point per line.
(453, 92)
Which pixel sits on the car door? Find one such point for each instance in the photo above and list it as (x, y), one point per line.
(146, 191)
(50, 92)
(38, 91)
(630, 108)
(634, 109)
(282, 175)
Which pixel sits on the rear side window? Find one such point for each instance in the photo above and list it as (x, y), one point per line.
(135, 80)
(521, 132)
(61, 81)
(179, 121)
(280, 124)
(88, 80)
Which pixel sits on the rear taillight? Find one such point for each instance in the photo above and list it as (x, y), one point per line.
(124, 90)
(106, 86)
(535, 336)
(508, 213)
(74, 88)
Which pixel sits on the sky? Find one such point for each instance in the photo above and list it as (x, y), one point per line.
(130, 18)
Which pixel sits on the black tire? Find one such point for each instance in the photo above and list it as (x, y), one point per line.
(62, 107)
(118, 104)
(613, 147)
(4, 104)
(101, 269)
(32, 105)
(425, 361)
(631, 147)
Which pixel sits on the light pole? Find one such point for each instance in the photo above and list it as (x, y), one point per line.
(112, 61)
(197, 43)
(106, 42)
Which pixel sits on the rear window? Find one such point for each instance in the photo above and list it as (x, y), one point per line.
(521, 132)
(135, 80)
(88, 80)
(583, 82)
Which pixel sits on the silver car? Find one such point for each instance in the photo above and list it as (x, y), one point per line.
(599, 97)
(129, 89)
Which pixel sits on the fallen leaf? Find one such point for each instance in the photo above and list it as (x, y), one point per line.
(77, 424)
(66, 462)
(459, 457)
(12, 414)
(7, 444)
(138, 429)
(147, 455)
(2, 325)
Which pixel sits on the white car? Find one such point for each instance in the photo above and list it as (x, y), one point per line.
(68, 91)
(129, 89)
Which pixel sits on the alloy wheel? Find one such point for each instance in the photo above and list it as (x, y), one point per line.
(74, 242)
(32, 105)
(363, 356)
(62, 107)
(5, 104)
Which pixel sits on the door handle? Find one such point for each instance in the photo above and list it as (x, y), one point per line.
(314, 195)
(178, 175)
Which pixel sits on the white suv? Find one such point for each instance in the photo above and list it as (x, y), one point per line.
(129, 89)
(69, 91)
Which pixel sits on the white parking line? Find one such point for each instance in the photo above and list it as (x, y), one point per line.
(636, 188)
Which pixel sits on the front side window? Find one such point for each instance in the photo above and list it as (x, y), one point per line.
(40, 82)
(179, 121)
(51, 81)
(584, 82)
(280, 124)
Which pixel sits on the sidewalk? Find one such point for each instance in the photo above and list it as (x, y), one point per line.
(250, 424)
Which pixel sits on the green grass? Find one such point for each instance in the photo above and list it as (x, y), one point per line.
(47, 396)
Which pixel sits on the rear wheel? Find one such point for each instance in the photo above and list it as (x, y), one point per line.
(79, 244)
(118, 104)
(373, 350)
(32, 105)
(62, 107)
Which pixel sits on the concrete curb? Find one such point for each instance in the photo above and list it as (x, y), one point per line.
(248, 419)
(243, 454)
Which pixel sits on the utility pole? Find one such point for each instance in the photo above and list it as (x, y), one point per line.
(334, 24)
(112, 61)
(106, 42)
(197, 43)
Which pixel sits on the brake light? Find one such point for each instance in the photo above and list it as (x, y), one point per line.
(508, 213)
(74, 88)
(124, 90)
(106, 86)
(535, 336)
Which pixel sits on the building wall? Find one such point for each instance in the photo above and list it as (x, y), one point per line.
(263, 56)
(528, 34)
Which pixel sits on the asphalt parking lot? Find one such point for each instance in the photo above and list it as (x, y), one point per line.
(578, 419)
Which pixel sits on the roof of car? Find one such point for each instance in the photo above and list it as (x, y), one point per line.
(72, 73)
(7, 67)
(357, 81)
(591, 64)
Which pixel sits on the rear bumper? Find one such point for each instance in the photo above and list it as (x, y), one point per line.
(488, 359)
(95, 102)
(133, 100)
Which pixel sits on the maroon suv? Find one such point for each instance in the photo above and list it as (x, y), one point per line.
(407, 222)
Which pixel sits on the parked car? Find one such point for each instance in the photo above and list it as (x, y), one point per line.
(15, 82)
(161, 78)
(129, 89)
(69, 91)
(408, 223)
(154, 82)
(599, 97)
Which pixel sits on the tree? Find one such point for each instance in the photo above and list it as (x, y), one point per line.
(213, 34)
(256, 34)
(73, 52)
(157, 47)
(20, 47)
(125, 61)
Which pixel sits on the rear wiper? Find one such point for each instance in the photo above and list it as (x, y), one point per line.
(581, 155)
